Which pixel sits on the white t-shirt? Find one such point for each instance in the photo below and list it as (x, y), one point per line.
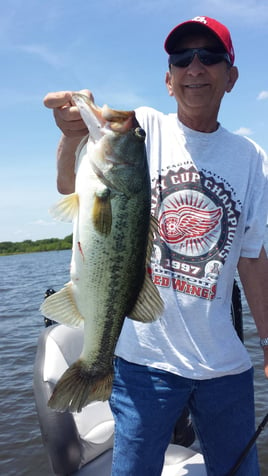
(209, 193)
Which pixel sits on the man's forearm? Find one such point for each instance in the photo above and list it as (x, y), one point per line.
(65, 163)
(254, 277)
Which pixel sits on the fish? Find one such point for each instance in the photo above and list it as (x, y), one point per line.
(113, 232)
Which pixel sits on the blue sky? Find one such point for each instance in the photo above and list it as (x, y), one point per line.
(114, 48)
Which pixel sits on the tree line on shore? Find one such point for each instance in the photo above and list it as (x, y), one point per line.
(29, 246)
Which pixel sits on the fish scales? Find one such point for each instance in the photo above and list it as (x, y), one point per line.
(112, 243)
(118, 274)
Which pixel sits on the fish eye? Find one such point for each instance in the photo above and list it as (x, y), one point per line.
(140, 133)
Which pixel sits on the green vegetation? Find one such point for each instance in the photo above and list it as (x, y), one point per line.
(29, 246)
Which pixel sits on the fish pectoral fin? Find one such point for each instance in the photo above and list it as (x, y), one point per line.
(66, 209)
(102, 211)
(61, 307)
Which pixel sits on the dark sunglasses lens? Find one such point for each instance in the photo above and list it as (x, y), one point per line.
(207, 57)
(182, 59)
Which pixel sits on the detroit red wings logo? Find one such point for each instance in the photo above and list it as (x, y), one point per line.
(188, 222)
(191, 226)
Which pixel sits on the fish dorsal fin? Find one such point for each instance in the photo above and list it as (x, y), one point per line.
(153, 229)
(62, 308)
(149, 305)
(102, 211)
(66, 209)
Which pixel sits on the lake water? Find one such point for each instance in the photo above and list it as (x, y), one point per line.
(24, 279)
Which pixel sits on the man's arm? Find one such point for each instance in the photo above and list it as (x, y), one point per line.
(253, 273)
(66, 163)
(69, 121)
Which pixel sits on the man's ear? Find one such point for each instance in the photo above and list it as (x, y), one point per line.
(169, 83)
(233, 77)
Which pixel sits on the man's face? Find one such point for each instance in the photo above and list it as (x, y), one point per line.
(197, 88)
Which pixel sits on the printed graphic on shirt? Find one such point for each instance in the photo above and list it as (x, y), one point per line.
(197, 223)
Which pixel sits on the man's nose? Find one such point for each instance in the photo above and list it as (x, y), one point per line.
(195, 67)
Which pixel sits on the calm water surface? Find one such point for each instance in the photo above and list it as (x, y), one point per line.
(24, 279)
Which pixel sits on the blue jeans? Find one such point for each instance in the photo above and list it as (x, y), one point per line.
(146, 403)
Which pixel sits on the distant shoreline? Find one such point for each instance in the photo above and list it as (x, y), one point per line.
(29, 246)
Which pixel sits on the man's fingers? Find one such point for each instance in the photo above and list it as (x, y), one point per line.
(70, 122)
(63, 98)
(66, 113)
(58, 99)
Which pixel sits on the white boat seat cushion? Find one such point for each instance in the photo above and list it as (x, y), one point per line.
(89, 437)
(94, 423)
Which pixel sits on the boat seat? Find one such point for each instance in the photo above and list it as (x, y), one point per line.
(81, 443)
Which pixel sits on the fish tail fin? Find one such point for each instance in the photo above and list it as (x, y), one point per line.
(79, 386)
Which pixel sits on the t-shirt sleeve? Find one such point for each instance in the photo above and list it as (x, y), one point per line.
(257, 210)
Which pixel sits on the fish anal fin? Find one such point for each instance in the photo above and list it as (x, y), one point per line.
(102, 211)
(79, 386)
(66, 209)
(62, 308)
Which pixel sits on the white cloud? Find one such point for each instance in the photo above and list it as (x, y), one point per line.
(243, 131)
(262, 95)
(42, 52)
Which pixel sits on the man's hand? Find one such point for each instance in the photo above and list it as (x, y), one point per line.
(68, 119)
(66, 114)
(265, 351)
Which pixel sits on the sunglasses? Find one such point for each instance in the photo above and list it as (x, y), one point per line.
(183, 58)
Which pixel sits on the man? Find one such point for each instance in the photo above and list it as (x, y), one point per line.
(209, 193)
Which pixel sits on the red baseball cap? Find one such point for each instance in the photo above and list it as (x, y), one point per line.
(199, 24)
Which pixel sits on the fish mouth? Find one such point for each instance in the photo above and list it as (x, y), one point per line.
(119, 121)
(91, 115)
(100, 120)
(80, 98)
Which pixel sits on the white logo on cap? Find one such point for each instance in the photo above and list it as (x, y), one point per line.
(201, 19)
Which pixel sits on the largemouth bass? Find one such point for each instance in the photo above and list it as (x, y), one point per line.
(112, 244)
